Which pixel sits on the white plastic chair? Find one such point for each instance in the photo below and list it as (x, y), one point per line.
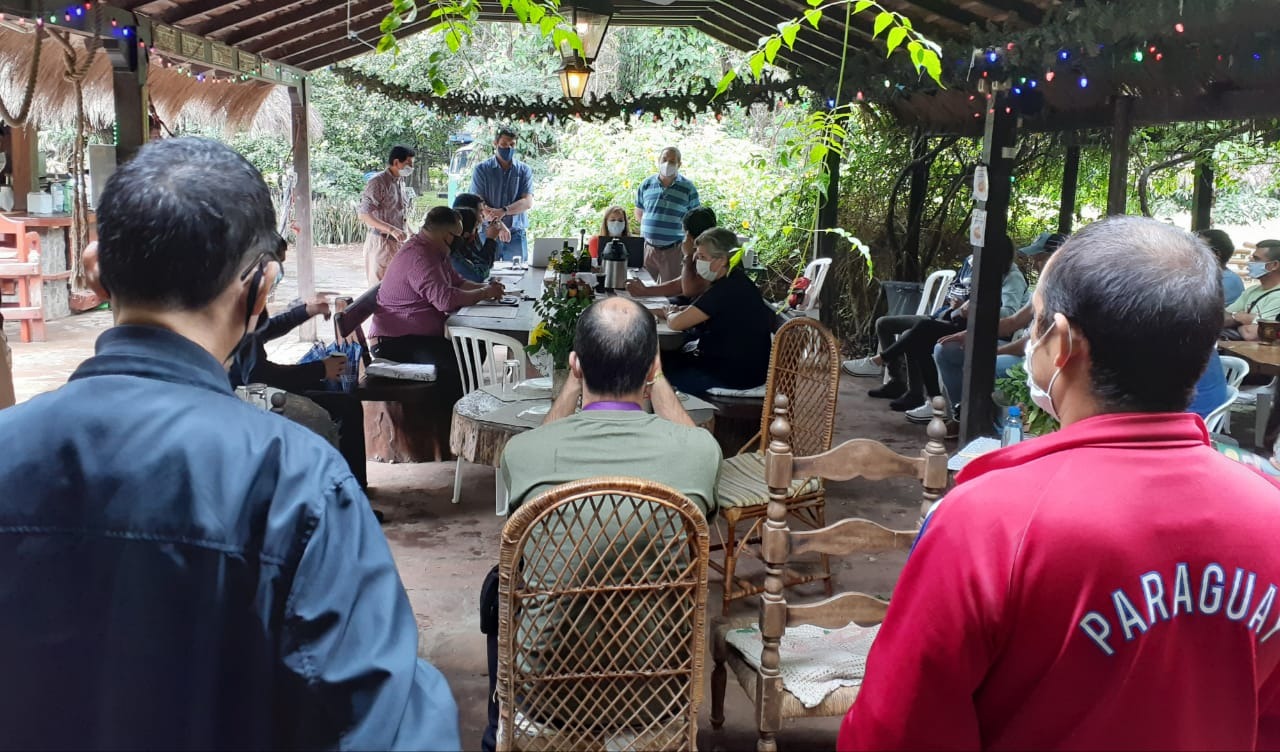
(1214, 421)
(935, 291)
(1234, 369)
(816, 271)
(479, 366)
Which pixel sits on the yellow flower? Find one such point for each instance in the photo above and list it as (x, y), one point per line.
(746, 225)
(538, 333)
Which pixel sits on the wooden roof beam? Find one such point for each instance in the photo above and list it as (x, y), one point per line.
(325, 27)
(925, 13)
(1026, 12)
(225, 24)
(184, 12)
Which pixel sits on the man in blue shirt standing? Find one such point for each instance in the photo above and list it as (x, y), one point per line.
(507, 189)
(184, 570)
(661, 203)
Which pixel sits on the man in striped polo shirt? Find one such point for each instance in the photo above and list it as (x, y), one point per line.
(661, 203)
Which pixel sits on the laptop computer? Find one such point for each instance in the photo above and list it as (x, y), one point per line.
(635, 249)
(544, 248)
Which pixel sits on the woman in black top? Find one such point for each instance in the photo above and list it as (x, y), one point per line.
(735, 324)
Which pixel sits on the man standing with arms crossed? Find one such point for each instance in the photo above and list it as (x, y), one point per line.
(384, 208)
(507, 189)
(662, 201)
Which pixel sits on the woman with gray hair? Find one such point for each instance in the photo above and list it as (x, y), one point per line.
(734, 324)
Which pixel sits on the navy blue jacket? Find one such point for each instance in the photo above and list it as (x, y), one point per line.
(183, 570)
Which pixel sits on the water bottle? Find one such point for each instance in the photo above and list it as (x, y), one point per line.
(1012, 432)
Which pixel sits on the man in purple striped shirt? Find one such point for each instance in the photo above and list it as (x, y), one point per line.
(419, 291)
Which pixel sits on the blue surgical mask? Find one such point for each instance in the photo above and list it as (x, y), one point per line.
(1258, 269)
(507, 153)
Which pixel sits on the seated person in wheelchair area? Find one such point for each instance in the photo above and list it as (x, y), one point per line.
(735, 325)
(1108, 586)
(911, 338)
(335, 415)
(419, 291)
(614, 368)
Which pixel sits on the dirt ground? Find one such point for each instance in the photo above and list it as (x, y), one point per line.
(444, 550)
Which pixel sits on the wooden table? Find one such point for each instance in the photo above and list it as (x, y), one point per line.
(55, 256)
(1264, 359)
(518, 321)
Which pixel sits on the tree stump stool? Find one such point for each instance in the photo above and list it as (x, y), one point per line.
(737, 421)
(404, 421)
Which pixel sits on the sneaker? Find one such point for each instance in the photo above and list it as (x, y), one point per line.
(862, 367)
(906, 402)
(891, 390)
(921, 414)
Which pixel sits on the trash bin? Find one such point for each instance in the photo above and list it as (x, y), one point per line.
(903, 298)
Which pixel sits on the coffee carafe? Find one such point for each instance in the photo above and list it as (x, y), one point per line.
(614, 260)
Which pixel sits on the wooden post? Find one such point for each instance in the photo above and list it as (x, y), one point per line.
(24, 142)
(129, 92)
(1118, 180)
(1070, 179)
(1202, 195)
(915, 205)
(298, 98)
(990, 264)
(828, 212)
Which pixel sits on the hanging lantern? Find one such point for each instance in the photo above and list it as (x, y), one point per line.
(573, 79)
(590, 26)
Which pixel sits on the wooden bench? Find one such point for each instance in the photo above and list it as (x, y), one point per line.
(403, 421)
(21, 278)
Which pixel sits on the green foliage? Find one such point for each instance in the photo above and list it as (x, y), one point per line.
(597, 166)
(1013, 390)
(456, 21)
(559, 313)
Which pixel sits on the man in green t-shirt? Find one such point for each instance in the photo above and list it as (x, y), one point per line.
(1261, 301)
(614, 367)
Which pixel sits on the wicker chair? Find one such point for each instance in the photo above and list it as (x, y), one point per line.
(805, 362)
(602, 616)
(856, 458)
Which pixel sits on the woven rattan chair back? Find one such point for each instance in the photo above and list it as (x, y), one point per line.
(805, 366)
(602, 611)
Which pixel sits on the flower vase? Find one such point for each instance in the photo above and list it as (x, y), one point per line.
(559, 377)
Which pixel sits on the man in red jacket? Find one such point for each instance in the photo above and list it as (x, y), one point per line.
(1112, 585)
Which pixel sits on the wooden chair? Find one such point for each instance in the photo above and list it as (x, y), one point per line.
(408, 426)
(21, 277)
(856, 458)
(602, 606)
(805, 362)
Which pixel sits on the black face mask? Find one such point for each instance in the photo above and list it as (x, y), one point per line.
(244, 357)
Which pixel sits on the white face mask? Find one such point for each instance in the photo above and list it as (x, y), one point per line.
(1043, 398)
(668, 169)
(616, 226)
(406, 171)
(704, 270)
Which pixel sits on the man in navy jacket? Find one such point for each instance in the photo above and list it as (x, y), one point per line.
(183, 570)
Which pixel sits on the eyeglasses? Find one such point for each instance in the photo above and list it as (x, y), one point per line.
(260, 264)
